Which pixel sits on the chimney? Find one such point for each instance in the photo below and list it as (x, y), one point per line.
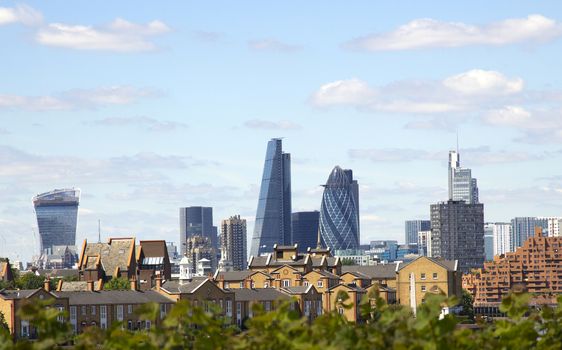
(47, 285)
(158, 282)
(133, 284)
(90, 286)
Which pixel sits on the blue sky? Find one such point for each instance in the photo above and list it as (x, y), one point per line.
(149, 106)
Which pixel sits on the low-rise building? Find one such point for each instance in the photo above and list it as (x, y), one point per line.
(6, 274)
(116, 258)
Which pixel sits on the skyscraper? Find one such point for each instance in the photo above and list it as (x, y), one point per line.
(273, 216)
(412, 227)
(197, 221)
(339, 211)
(502, 234)
(233, 242)
(462, 186)
(57, 216)
(305, 229)
(524, 227)
(457, 233)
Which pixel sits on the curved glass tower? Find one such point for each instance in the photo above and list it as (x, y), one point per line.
(57, 215)
(339, 211)
(273, 216)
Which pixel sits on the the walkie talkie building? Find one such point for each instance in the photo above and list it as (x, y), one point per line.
(57, 216)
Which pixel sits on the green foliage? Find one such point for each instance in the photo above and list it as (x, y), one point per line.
(119, 283)
(466, 302)
(347, 261)
(384, 327)
(29, 280)
(3, 323)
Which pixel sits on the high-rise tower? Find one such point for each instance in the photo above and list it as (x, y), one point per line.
(57, 216)
(233, 242)
(462, 186)
(339, 211)
(305, 229)
(197, 221)
(273, 216)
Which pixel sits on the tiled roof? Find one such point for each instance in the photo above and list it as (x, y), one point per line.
(349, 286)
(259, 294)
(113, 297)
(357, 274)
(231, 276)
(77, 286)
(17, 294)
(326, 274)
(116, 253)
(317, 261)
(332, 261)
(187, 287)
(447, 264)
(59, 272)
(297, 289)
(156, 248)
(374, 271)
(258, 261)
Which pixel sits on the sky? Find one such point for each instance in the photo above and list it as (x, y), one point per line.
(150, 106)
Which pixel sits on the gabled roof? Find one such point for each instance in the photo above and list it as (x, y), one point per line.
(259, 261)
(384, 271)
(187, 287)
(232, 276)
(349, 287)
(333, 261)
(118, 253)
(11, 294)
(449, 265)
(318, 261)
(297, 290)
(283, 266)
(58, 272)
(75, 286)
(259, 294)
(356, 274)
(325, 274)
(154, 248)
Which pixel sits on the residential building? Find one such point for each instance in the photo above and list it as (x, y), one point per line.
(233, 242)
(524, 228)
(349, 306)
(152, 261)
(116, 258)
(305, 229)
(427, 275)
(6, 274)
(457, 233)
(273, 215)
(412, 228)
(339, 211)
(462, 186)
(57, 216)
(197, 221)
(535, 267)
(553, 225)
(424, 243)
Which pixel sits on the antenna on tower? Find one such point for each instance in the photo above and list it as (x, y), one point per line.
(99, 231)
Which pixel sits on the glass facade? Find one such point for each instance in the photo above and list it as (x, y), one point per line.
(57, 216)
(462, 186)
(339, 211)
(273, 216)
(412, 227)
(305, 229)
(197, 221)
(524, 227)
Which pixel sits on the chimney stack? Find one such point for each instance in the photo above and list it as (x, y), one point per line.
(158, 282)
(90, 286)
(133, 284)
(47, 285)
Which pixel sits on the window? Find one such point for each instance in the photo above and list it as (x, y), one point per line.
(229, 308)
(320, 284)
(305, 283)
(24, 329)
(319, 307)
(239, 313)
(307, 307)
(147, 324)
(423, 288)
(340, 310)
(423, 276)
(221, 303)
(93, 310)
(286, 283)
(226, 285)
(103, 316)
(268, 306)
(253, 284)
(84, 311)
(129, 309)
(60, 316)
(435, 275)
(162, 311)
(241, 284)
(266, 284)
(119, 312)
(73, 318)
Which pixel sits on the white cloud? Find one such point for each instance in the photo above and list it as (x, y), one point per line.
(147, 123)
(271, 44)
(430, 33)
(77, 99)
(23, 14)
(271, 125)
(478, 81)
(119, 36)
(462, 92)
(508, 116)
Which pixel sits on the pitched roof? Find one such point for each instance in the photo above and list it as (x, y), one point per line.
(349, 286)
(295, 290)
(117, 253)
(154, 248)
(374, 271)
(357, 274)
(325, 274)
(332, 261)
(259, 294)
(77, 286)
(58, 272)
(113, 297)
(17, 294)
(258, 261)
(318, 261)
(449, 265)
(230, 276)
(186, 287)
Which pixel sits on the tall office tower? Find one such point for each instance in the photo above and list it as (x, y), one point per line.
(305, 229)
(457, 233)
(233, 242)
(553, 225)
(57, 216)
(200, 247)
(524, 227)
(273, 216)
(412, 227)
(503, 240)
(339, 211)
(488, 243)
(424, 243)
(462, 186)
(197, 221)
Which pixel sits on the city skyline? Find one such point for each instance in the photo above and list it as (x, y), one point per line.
(149, 107)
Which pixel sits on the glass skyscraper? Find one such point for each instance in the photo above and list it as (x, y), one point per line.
(305, 229)
(462, 186)
(197, 221)
(339, 211)
(412, 227)
(273, 216)
(57, 216)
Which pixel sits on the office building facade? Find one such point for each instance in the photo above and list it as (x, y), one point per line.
(305, 229)
(502, 237)
(197, 221)
(457, 233)
(339, 211)
(424, 243)
(412, 227)
(462, 186)
(234, 242)
(57, 217)
(273, 215)
(524, 228)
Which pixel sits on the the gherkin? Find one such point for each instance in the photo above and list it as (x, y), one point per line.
(339, 211)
